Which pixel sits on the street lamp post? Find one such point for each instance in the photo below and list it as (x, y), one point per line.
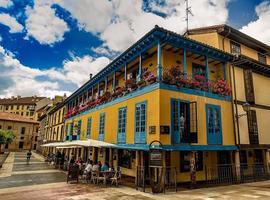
(246, 108)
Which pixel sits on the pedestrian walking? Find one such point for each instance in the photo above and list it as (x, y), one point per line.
(28, 156)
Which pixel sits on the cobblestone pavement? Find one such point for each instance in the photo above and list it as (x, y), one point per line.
(40, 181)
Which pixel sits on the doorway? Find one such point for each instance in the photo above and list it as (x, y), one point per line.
(20, 145)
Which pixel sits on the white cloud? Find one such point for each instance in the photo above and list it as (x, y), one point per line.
(10, 22)
(93, 16)
(119, 23)
(5, 3)
(17, 79)
(43, 24)
(260, 28)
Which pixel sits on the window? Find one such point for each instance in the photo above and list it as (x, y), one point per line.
(6, 107)
(124, 158)
(11, 107)
(198, 70)
(23, 130)
(27, 113)
(21, 113)
(22, 138)
(101, 126)
(31, 113)
(235, 48)
(249, 90)
(262, 58)
(185, 161)
(79, 128)
(214, 130)
(9, 127)
(17, 113)
(88, 128)
(18, 107)
(252, 127)
(140, 123)
(122, 115)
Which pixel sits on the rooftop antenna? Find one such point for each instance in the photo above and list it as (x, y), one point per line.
(188, 12)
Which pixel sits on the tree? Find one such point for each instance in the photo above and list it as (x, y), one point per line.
(6, 137)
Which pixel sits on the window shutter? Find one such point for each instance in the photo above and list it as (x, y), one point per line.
(193, 122)
(250, 97)
(252, 127)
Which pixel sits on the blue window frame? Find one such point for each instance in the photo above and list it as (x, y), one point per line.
(140, 123)
(88, 127)
(71, 131)
(79, 130)
(175, 123)
(214, 128)
(122, 118)
(101, 127)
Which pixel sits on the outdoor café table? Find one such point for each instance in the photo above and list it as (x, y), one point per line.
(106, 174)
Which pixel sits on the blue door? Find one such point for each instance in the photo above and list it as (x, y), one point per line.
(214, 129)
(140, 123)
(175, 121)
(122, 115)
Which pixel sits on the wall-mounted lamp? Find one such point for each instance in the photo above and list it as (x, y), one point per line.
(246, 108)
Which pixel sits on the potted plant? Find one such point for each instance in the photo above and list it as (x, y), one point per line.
(222, 87)
(166, 77)
(106, 96)
(149, 77)
(131, 84)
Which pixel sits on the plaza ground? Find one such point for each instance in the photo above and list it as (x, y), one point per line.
(38, 180)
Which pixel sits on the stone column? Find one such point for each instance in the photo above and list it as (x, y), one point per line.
(111, 157)
(192, 161)
(137, 163)
(237, 165)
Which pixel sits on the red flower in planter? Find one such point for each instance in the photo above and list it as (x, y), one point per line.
(222, 87)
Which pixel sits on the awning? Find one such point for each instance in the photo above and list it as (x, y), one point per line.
(68, 147)
(80, 143)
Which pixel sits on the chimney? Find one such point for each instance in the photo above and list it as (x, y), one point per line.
(90, 76)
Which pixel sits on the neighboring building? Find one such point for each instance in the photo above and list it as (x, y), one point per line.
(52, 122)
(251, 81)
(24, 106)
(193, 122)
(26, 131)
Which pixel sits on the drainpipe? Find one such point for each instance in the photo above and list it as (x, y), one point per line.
(232, 82)
(235, 104)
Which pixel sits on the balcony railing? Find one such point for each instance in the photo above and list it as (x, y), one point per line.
(131, 85)
(174, 76)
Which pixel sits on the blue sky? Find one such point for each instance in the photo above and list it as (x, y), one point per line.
(54, 44)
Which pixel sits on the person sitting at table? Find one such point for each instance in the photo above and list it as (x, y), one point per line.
(79, 161)
(95, 167)
(111, 168)
(89, 166)
(100, 165)
(105, 167)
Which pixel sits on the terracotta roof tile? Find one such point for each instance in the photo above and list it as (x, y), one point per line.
(20, 100)
(14, 117)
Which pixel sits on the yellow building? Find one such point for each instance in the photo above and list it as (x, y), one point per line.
(164, 88)
(251, 79)
(24, 106)
(25, 130)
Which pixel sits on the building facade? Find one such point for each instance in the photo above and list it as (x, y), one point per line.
(52, 123)
(25, 130)
(250, 82)
(165, 88)
(24, 106)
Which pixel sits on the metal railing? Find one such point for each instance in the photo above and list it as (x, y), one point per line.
(231, 174)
